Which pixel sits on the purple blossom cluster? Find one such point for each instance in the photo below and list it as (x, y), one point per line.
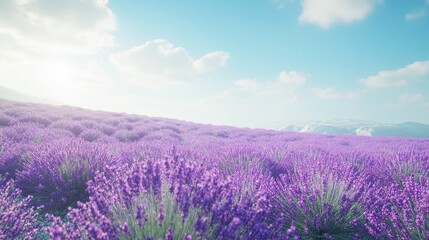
(56, 174)
(324, 199)
(97, 175)
(171, 198)
(400, 211)
(16, 217)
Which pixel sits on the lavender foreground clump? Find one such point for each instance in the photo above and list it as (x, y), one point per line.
(57, 173)
(17, 219)
(323, 199)
(400, 211)
(171, 198)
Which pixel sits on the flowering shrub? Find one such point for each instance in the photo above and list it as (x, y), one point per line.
(128, 135)
(91, 135)
(31, 133)
(36, 119)
(57, 173)
(75, 127)
(13, 157)
(168, 199)
(17, 219)
(399, 211)
(322, 199)
(5, 120)
(106, 129)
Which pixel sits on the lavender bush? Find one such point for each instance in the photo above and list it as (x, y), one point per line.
(5, 120)
(171, 198)
(400, 211)
(322, 199)
(57, 173)
(13, 157)
(17, 219)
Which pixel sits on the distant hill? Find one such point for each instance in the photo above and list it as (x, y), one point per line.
(7, 93)
(361, 128)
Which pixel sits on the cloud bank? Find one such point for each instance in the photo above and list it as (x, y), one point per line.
(66, 26)
(399, 77)
(325, 13)
(160, 62)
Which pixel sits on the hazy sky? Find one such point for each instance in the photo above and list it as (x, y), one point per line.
(241, 62)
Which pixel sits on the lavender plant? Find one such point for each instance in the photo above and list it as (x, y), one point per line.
(13, 157)
(5, 120)
(91, 135)
(128, 136)
(156, 199)
(57, 173)
(75, 127)
(323, 199)
(106, 129)
(17, 219)
(399, 210)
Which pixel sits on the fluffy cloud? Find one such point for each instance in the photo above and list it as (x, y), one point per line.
(332, 93)
(58, 26)
(159, 62)
(211, 61)
(285, 82)
(291, 79)
(328, 12)
(398, 77)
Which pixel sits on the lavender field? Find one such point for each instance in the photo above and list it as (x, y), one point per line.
(70, 173)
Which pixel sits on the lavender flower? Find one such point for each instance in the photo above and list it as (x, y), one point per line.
(17, 219)
(57, 173)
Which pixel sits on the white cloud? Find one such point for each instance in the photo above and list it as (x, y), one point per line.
(415, 15)
(58, 26)
(328, 12)
(211, 61)
(285, 82)
(398, 77)
(159, 62)
(291, 78)
(332, 93)
(12, 55)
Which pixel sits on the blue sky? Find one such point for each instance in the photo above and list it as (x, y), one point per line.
(242, 63)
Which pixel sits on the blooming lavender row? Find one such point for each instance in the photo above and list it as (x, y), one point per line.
(16, 217)
(101, 175)
(171, 198)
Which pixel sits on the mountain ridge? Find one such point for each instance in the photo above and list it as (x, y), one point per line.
(361, 128)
